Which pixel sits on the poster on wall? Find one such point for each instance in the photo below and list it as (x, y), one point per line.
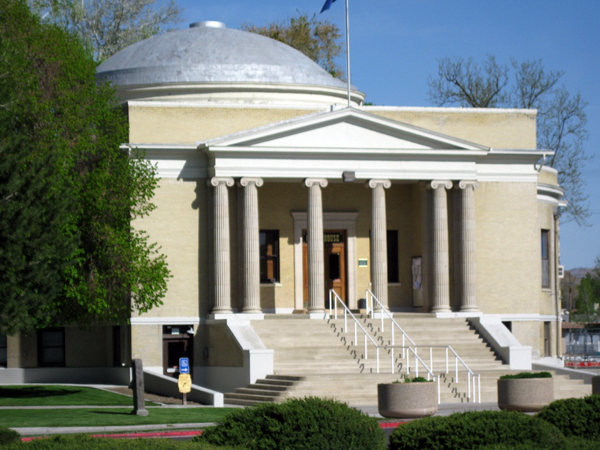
(417, 281)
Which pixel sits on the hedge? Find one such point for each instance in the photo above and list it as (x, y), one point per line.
(310, 423)
(8, 436)
(80, 441)
(575, 416)
(473, 430)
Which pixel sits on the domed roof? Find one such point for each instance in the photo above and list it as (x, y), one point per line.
(207, 52)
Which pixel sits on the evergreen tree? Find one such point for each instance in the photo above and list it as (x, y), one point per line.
(68, 192)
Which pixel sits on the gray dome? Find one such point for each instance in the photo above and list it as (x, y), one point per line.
(210, 53)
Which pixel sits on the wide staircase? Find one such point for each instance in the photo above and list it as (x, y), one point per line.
(319, 358)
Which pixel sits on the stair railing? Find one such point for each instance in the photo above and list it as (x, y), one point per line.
(334, 299)
(471, 377)
(370, 297)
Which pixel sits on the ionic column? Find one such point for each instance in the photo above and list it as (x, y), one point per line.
(379, 268)
(250, 245)
(468, 289)
(316, 264)
(440, 285)
(222, 269)
(426, 244)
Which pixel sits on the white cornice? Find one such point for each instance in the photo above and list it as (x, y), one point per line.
(191, 320)
(222, 105)
(531, 112)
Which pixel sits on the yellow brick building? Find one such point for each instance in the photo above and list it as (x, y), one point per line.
(278, 186)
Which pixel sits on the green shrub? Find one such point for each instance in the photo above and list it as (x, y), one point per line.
(80, 441)
(8, 436)
(473, 430)
(310, 423)
(575, 416)
(417, 380)
(569, 444)
(527, 375)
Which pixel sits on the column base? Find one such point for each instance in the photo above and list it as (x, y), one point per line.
(441, 309)
(251, 311)
(469, 309)
(222, 311)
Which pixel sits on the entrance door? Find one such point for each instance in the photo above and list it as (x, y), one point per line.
(177, 343)
(335, 264)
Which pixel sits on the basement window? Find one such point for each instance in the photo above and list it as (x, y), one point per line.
(51, 347)
(3, 353)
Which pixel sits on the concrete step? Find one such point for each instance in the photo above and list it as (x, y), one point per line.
(321, 360)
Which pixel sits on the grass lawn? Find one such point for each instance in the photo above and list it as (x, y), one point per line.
(61, 396)
(98, 417)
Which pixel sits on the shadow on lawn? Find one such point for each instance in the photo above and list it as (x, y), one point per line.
(36, 392)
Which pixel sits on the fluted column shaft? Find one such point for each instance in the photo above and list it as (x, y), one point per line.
(468, 301)
(316, 263)
(426, 243)
(379, 267)
(251, 245)
(222, 260)
(440, 255)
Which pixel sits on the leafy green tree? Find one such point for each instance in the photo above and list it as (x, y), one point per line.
(315, 38)
(107, 26)
(587, 301)
(68, 193)
(561, 120)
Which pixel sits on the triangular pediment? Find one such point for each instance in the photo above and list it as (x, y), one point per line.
(344, 129)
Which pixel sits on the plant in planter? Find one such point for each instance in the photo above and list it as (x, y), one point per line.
(525, 391)
(416, 397)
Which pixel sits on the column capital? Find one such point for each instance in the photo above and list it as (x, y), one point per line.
(446, 184)
(374, 183)
(464, 184)
(310, 182)
(245, 181)
(215, 181)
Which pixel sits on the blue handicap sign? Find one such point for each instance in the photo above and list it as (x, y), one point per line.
(184, 365)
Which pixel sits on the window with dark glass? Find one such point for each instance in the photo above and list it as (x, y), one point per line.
(392, 256)
(269, 256)
(545, 260)
(3, 356)
(116, 332)
(51, 347)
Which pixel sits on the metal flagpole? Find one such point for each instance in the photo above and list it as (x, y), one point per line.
(348, 51)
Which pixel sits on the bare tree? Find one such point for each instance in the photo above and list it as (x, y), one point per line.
(561, 121)
(315, 38)
(108, 26)
(463, 82)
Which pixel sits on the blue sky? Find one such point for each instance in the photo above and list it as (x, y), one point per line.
(395, 44)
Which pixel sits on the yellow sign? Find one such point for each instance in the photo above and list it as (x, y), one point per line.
(184, 383)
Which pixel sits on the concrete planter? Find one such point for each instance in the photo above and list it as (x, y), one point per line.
(525, 394)
(405, 400)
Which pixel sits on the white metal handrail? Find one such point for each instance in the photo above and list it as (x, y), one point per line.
(470, 375)
(333, 299)
(371, 296)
